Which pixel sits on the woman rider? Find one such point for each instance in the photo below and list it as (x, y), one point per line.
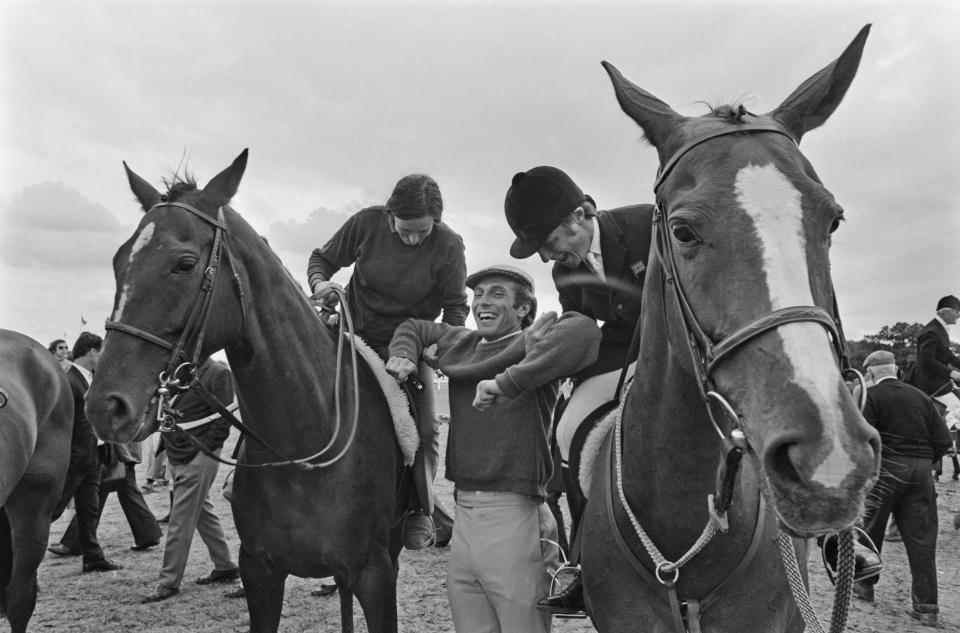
(408, 264)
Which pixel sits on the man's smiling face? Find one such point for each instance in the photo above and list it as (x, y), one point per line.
(495, 307)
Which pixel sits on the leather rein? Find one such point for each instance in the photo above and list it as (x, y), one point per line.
(706, 355)
(182, 370)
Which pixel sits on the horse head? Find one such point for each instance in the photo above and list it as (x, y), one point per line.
(168, 306)
(743, 234)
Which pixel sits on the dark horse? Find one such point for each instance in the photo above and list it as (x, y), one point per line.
(740, 340)
(311, 522)
(36, 421)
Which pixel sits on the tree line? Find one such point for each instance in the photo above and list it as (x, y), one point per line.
(899, 338)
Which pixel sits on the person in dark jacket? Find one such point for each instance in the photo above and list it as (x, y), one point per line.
(119, 460)
(599, 262)
(913, 436)
(83, 474)
(937, 366)
(193, 472)
(407, 264)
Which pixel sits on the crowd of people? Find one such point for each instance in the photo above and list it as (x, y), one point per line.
(409, 270)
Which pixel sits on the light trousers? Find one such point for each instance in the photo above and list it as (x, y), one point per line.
(499, 565)
(192, 511)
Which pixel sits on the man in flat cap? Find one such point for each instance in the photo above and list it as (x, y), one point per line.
(914, 436)
(503, 387)
(599, 262)
(937, 366)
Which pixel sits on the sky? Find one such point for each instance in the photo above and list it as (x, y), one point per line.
(338, 100)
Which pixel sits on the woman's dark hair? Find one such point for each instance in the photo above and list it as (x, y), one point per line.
(416, 196)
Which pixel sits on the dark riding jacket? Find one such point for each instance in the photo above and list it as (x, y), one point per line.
(625, 246)
(934, 359)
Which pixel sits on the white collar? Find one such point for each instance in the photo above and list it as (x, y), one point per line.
(885, 378)
(501, 338)
(942, 322)
(87, 375)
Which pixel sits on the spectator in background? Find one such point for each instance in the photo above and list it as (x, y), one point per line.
(61, 351)
(193, 471)
(118, 474)
(937, 366)
(83, 474)
(913, 436)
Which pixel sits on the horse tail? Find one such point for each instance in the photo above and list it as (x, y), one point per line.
(6, 559)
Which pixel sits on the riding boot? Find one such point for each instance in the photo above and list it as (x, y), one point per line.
(418, 526)
(569, 601)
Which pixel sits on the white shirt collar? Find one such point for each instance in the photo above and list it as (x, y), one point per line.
(885, 378)
(87, 375)
(942, 322)
(501, 338)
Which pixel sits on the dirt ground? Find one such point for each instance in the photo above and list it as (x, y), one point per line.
(109, 602)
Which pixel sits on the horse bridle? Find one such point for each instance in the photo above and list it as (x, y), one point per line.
(182, 371)
(705, 353)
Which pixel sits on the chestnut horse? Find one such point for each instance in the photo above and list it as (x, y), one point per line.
(195, 276)
(36, 422)
(739, 354)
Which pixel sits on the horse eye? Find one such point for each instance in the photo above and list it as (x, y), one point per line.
(684, 234)
(185, 264)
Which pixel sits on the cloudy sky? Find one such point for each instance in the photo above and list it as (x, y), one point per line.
(336, 101)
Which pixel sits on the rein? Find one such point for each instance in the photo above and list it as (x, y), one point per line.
(182, 371)
(706, 355)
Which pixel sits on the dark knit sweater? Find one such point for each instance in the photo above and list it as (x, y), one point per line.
(505, 447)
(180, 449)
(391, 281)
(908, 422)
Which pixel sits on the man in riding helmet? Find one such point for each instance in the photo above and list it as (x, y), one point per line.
(599, 262)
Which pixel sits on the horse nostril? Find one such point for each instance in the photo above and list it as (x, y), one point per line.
(117, 407)
(782, 460)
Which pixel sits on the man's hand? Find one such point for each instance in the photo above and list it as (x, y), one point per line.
(487, 393)
(955, 375)
(400, 368)
(325, 295)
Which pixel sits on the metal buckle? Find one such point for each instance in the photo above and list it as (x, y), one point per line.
(667, 567)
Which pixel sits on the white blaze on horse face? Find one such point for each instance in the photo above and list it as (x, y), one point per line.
(146, 234)
(774, 204)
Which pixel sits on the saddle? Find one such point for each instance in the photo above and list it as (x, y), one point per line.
(408, 438)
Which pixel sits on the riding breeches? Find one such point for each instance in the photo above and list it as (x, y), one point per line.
(585, 399)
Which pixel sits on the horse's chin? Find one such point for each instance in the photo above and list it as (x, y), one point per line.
(804, 514)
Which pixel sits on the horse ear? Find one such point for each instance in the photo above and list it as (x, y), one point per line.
(657, 119)
(223, 186)
(810, 105)
(146, 195)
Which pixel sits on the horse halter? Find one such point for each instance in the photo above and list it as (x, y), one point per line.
(707, 354)
(181, 370)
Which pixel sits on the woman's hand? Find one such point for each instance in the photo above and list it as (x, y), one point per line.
(325, 294)
(400, 368)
